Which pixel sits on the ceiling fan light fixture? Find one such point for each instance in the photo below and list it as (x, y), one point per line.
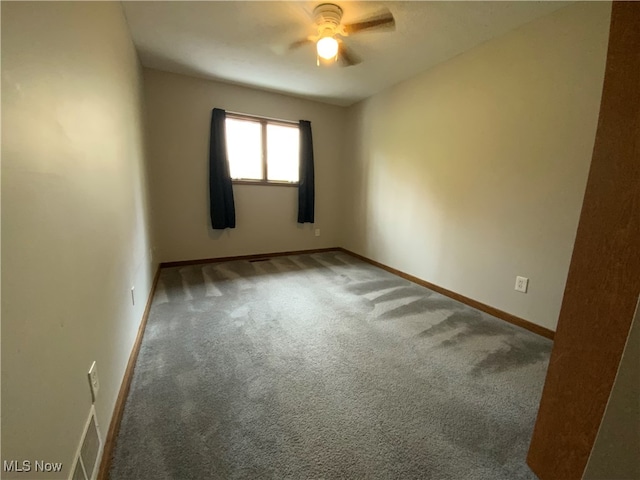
(329, 41)
(327, 48)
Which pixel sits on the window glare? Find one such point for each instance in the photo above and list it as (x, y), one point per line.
(282, 153)
(244, 149)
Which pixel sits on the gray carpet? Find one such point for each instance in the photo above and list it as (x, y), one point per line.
(321, 366)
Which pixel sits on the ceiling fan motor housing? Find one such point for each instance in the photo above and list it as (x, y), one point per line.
(328, 17)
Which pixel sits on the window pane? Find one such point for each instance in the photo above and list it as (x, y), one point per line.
(244, 149)
(283, 153)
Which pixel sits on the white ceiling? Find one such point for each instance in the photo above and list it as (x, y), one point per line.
(245, 42)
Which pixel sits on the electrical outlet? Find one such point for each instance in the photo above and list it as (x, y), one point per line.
(521, 284)
(94, 384)
(133, 296)
(317, 232)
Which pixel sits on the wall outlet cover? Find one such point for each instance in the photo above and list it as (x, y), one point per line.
(521, 284)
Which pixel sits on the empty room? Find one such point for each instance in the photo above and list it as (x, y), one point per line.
(306, 240)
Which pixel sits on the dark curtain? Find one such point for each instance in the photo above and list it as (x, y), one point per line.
(306, 188)
(222, 207)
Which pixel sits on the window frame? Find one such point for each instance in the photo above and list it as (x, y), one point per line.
(263, 121)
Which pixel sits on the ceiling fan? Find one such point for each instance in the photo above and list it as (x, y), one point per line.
(330, 46)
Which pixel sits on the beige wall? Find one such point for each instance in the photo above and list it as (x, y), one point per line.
(74, 229)
(474, 172)
(179, 116)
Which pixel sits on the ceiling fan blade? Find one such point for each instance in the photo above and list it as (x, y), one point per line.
(346, 56)
(383, 19)
(300, 43)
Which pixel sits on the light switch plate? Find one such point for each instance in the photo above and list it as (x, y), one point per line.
(94, 383)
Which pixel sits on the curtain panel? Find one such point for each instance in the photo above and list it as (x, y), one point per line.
(306, 186)
(222, 206)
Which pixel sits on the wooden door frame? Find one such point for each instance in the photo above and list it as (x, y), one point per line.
(603, 283)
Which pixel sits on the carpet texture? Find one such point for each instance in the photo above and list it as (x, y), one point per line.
(322, 366)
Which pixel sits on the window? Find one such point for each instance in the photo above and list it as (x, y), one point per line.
(262, 151)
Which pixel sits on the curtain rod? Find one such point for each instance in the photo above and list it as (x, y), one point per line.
(260, 117)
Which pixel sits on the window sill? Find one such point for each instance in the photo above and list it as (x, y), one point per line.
(265, 183)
